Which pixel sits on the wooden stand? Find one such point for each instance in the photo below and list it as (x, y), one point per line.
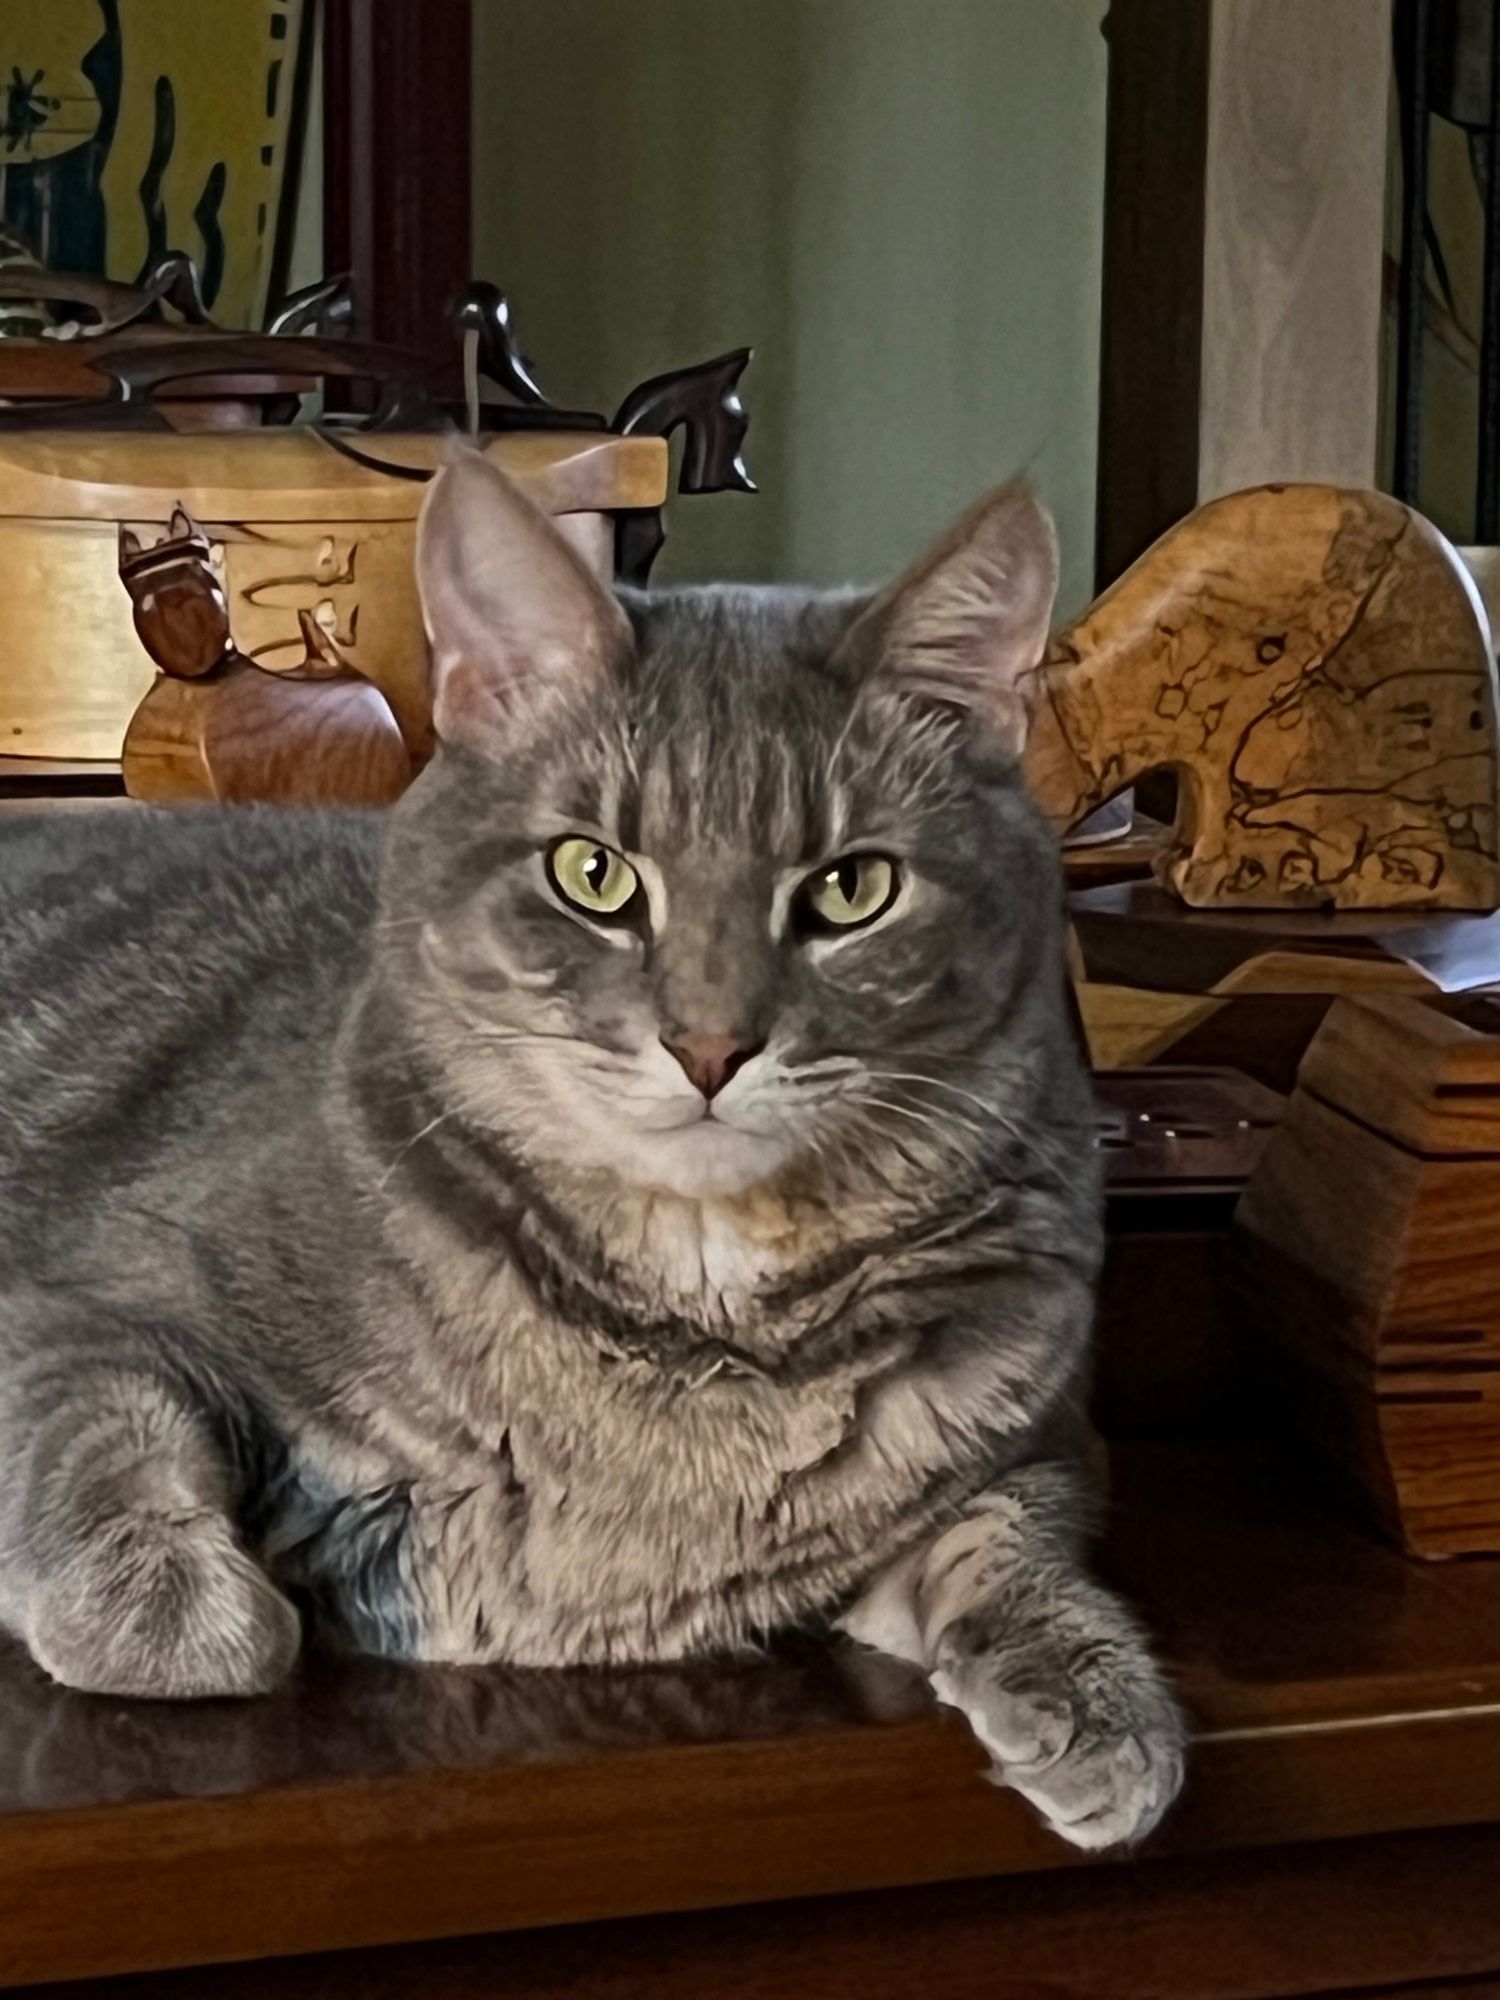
(1371, 1256)
(1156, 981)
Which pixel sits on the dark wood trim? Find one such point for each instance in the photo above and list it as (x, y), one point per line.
(1409, 1918)
(396, 194)
(1156, 152)
(286, 219)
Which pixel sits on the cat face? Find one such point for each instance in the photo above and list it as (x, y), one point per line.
(716, 884)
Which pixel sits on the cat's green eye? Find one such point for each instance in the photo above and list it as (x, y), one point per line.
(592, 878)
(848, 893)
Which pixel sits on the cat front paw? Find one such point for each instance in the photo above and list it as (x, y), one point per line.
(166, 1610)
(1087, 1731)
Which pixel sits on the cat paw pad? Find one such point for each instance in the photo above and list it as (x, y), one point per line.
(1099, 1753)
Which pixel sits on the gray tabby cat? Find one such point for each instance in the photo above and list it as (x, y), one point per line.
(639, 1197)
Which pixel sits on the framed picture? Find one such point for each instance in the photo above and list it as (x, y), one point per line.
(133, 127)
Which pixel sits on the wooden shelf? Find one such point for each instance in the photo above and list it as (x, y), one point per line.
(1339, 1691)
(1128, 857)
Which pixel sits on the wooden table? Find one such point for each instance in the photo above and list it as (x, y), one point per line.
(1157, 981)
(1341, 1828)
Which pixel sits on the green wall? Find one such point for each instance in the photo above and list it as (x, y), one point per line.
(896, 202)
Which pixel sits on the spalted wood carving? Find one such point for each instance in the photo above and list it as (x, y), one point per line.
(215, 726)
(1314, 664)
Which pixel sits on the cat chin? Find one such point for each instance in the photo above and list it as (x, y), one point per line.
(706, 1160)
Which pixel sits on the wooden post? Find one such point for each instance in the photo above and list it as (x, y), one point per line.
(1294, 235)
(396, 97)
(1244, 220)
(1151, 330)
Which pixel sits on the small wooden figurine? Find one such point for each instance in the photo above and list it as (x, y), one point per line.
(215, 726)
(1314, 664)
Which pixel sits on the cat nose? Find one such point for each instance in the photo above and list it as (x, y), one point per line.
(711, 1060)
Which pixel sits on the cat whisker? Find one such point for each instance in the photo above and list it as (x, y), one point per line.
(415, 1140)
(934, 1083)
(944, 1125)
(515, 1035)
(992, 1117)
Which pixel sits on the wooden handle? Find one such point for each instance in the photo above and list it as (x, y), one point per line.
(141, 368)
(1315, 666)
(135, 369)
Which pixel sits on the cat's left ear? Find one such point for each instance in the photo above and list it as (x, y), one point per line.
(515, 618)
(970, 621)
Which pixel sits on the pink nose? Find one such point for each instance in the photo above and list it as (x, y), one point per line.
(711, 1060)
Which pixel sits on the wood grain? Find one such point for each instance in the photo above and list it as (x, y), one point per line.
(1370, 1915)
(302, 529)
(1248, 989)
(1293, 241)
(295, 475)
(219, 727)
(1314, 665)
(245, 737)
(1338, 1693)
(1126, 1026)
(1139, 936)
(1368, 1237)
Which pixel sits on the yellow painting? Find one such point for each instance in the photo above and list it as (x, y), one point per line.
(133, 127)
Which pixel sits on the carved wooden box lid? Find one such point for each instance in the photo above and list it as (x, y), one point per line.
(296, 474)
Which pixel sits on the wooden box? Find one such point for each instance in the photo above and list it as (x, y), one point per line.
(1369, 1242)
(301, 527)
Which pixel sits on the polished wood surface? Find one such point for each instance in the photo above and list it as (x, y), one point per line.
(1178, 1145)
(1413, 1919)
(1371, 1256)
(1339, 1692)
(1182, 1130)
(1314, 665)
(61, 371)
(1135, 934)
(1248, 989)
(1127, 857)
(247, 737)
(396, 178)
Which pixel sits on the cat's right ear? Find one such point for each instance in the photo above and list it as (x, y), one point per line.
(513, 616)
(968, 625)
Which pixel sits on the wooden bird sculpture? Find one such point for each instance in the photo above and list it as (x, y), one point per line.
(216, 726)
(1315, 666)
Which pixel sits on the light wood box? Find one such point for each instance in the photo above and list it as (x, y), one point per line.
(301, 527)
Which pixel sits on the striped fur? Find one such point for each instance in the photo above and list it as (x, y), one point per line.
(363, 1261)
